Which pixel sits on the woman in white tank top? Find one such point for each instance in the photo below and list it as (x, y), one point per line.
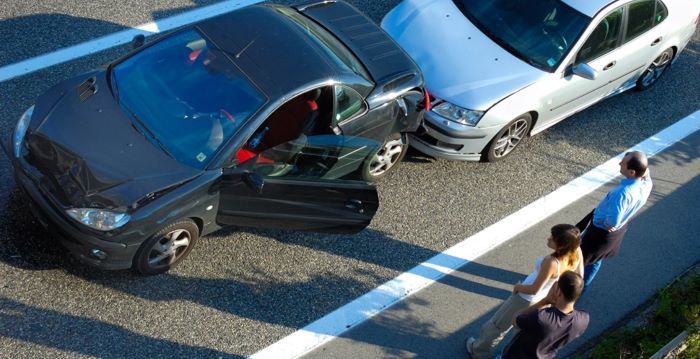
(565, 241)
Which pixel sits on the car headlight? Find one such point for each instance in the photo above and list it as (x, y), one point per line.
(100, 219)
(458, 114)
(21, 130)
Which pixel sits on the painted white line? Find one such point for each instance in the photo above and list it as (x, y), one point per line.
(425, 274)
(118, 38)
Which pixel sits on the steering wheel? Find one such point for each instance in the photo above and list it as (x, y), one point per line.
(555, 37)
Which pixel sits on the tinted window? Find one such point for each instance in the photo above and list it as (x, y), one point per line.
(641, 18)
(185, 95)
(603, 39)
(333, 48)
(317, 158)
(540, 32)
(348, 104)
(661, 13)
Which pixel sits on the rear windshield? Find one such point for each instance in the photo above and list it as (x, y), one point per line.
(540, 32)
(185, 95)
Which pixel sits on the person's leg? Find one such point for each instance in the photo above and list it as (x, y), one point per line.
(493, 331)
(589, 272)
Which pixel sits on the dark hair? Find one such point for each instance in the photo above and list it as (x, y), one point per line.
(567, 239)
(638, 163)
(571, 285)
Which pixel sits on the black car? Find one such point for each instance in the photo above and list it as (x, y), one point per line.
(268, 116)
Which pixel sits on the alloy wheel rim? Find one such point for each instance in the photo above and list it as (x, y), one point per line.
(657, 68)
(510, 138)
(169, 248)
(387, 157)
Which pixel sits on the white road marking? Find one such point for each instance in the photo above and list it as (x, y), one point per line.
(425, 274)
(118, 38)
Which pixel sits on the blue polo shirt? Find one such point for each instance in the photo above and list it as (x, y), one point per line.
(622, 203)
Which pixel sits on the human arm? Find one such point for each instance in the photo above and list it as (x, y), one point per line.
(547, 269)
(522, 317)
(616, 205)
(580, 268)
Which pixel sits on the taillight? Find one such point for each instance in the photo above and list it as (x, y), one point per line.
(427, 100)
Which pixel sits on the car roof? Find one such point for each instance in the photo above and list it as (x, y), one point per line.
(589, 7)
(269, 48)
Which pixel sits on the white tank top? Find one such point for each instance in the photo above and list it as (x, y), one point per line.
(534, 298)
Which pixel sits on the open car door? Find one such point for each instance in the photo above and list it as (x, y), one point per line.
(312, 183)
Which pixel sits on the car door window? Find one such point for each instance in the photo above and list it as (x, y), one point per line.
(603, 39)
(317, 158)
(661, 13)
(348, 104)
(642, 17)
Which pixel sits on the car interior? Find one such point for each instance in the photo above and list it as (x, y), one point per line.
(298, 140)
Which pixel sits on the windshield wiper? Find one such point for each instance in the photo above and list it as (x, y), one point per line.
(146, 132)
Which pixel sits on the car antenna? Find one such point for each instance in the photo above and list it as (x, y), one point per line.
(245, 47)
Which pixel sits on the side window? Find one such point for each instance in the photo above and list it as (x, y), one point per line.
(348, 103)
(603, 39)
(661, 13)
(642, 17)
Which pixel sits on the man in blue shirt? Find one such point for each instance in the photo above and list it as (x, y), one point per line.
(604, 234)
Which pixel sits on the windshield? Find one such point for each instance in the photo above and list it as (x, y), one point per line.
(185, 96)
(540, 32)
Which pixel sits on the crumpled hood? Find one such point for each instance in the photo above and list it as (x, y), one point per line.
(460, 64)
(89, 153)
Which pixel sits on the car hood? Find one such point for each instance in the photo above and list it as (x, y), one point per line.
(88, 152)
(460, 64)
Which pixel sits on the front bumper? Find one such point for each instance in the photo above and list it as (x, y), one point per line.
(442, 138)
(79, 243)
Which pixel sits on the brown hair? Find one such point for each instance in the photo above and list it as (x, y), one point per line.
(571, 285)
(567, 239)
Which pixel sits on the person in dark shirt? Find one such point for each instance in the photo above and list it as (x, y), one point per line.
(550, 324)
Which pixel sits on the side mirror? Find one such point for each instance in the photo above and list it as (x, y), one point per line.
(254, 181)
(585, 71)
(137, 41)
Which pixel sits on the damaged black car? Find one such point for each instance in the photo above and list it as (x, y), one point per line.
(267, 116)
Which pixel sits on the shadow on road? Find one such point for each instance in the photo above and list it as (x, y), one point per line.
(88, 336)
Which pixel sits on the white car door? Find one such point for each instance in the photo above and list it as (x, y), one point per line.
(642, 41)
(600, 50)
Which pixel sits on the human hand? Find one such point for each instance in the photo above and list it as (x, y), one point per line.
(551, 297)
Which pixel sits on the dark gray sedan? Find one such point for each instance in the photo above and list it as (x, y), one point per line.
(268, 116)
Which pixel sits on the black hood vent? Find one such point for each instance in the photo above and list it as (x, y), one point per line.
(87, 89)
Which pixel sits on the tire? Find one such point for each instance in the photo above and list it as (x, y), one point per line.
(653, 73)
(388, 157)
(166, 248)
(507, 139)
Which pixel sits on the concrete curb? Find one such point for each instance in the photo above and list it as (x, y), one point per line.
(671, 346)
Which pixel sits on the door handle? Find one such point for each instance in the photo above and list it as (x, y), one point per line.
(657, 41)
(354, 204)
(609, 66)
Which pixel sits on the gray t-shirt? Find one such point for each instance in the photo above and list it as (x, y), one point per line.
(543, 332)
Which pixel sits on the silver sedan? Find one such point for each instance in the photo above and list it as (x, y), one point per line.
(499, 71)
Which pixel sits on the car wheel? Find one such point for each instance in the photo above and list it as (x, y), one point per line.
(389, 155)
(166, 248)
(507, 139)
(655, 70)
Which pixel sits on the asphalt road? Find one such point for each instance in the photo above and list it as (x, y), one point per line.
(241, 290)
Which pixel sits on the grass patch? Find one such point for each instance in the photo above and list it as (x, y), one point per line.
(677, 308)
